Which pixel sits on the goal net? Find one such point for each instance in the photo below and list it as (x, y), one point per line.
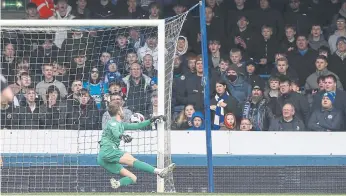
(64, 74)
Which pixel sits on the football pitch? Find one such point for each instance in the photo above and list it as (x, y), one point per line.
(172, 194)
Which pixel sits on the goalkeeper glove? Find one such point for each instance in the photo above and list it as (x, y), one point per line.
(126, 138)
(158, 118)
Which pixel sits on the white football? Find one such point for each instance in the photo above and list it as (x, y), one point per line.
(137, 118)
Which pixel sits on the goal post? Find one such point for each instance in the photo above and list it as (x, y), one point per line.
(166, 47)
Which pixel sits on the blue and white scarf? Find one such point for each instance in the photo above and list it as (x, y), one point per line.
(219, 111)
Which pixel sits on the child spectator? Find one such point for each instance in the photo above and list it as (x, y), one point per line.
(197, 121)
(236, 57)
(272, 94)
(230, 122)
(31, 12)
(251, 77)
(289, 42)
(245, 125)
(183, 121)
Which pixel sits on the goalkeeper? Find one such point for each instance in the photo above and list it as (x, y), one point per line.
(111, 157)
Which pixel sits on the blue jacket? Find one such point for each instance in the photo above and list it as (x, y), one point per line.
(239, 89)
(197, 114)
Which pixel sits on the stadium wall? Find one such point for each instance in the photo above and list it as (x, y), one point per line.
(245, 162)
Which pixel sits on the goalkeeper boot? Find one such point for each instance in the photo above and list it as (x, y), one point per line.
(166, 170)
(114, 183)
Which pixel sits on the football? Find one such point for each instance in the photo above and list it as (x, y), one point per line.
(137, 118)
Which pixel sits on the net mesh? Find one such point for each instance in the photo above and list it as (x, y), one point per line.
(64, 78)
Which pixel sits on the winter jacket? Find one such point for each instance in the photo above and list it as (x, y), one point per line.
(232, 106)
(259, 114)
(317, 44)
(57, 16)
(332, 41)
(338, 66)
(299, 19)
(120, 55)
(24, 118)
(285, 45)
(290, 73)
(304, 65)
(280, 124)
(6, 114)
(240, 89)
(54, 117)
(269, 17)
(85, 117)
(200, 115)
(42, 87)
(299, 102)
(323, 120)
(311, 81)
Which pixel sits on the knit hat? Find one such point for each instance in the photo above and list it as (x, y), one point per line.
(342, 38)
(330, 95)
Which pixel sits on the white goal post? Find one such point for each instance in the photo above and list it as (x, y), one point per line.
(160, 24)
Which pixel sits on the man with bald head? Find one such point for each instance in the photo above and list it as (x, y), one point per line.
(288, 121)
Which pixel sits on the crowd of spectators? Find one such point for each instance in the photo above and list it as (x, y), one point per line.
(273, 66)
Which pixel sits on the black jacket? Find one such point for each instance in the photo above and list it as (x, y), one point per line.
(24, 118)
(300, 20)
(280, 125)
(304, 65)
(84, 117)
(269, 17)
(338, 66)
(299, 102)
(323, 120)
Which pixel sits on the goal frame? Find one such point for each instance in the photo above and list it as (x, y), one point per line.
(160, 24)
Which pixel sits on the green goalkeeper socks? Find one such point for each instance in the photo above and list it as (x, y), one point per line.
(126, 181)
(143, 166)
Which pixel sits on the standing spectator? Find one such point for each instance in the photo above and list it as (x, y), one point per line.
(131, 58)
(21, 86)
(337, 60)
(240, 9)
(8, 61)
(80, 66)
(26, 116)
(221, 104)
(86, 115)
(96, 88)
(104, 58)
(251, 76)
(217, 8)
(303, 59)
(311, 85)
(63, 11)
(41, 87)
(257, 111)
(138, 90)
(236, 57)
(121, 49)
(183, 121)
(136, 39)
(132, 11)
(223, 66)
(316, 38)
(53, 113)
(81, 11)
(73, 98)
(150, 47)
(264, 52)
(289, 42)
(297, 16)
(299, 101)
(237, 85)
(215, 54)
(272, 96)
(112, 73)
(148, 66)
(288, 121)
(241, 36)
(327, 119)
(116, 99)
(104, 9)
(245, 125)
(155, 11)
(283, 69)
(339, 32)
(31, 12)
(265, 15)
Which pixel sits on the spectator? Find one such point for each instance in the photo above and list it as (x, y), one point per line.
(8, 60)
(265, 15)
(73, 98)
(245, 125)
(296, 15)
(242, 34)
(303, 59)
(311, 85)
(132, 11)
(122, 47)
(332, 7)
(230, 122)
(340, 32)
(288, 121)
(104, 59)
(237, 85)
(80, 66)
(103, 10)
(150, 47)
(60, 73)
(272, 96)
(112, 73)
(289, 42)
(81, 11)
(283, 69)
(197, 121)
(330, 82)
(63, 11)
(148, 66)
(299, 101)
(215, 54)
(257, 111)
(6, 112)
(337, 60)
(117, 87)
(223, 66)
(31, 12)
(251, 77)
(324, 51)
(116, 99)
(96, 88)
(155, 11)
(236, 57)
(295, 86)
(53, 113)
(86, 115)
(181, 52)
(316, 38)
(221, 104)
(20, 87)
(27, 115)
(235, 13)
(327, 119)
(217, 8)
(138, 90)
(136, 39)
(183, 121)
(41, 87)
(131, 58)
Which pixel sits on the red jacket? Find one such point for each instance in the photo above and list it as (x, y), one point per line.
(45, 8)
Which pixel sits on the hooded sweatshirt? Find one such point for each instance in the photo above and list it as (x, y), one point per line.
(200, 115)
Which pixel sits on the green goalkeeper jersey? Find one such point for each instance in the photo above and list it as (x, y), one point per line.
(114, 129)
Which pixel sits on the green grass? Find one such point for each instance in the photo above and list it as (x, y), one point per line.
(161, 194)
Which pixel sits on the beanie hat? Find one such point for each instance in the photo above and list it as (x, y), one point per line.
(342, 38)
(330, 95)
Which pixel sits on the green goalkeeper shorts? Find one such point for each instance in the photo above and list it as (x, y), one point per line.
(109, 157)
